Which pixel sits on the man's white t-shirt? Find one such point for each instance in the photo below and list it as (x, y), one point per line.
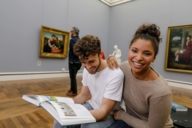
(107, 84)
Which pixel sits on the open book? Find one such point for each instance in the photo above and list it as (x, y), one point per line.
(63, 109)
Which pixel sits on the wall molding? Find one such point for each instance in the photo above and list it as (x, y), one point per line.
(9, 76)
(114, 2)
(26, 73)
(179, 84)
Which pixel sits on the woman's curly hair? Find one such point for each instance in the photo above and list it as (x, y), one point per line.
(148, 32)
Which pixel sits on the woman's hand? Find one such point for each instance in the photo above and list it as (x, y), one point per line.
(118, 114)
(112, 62)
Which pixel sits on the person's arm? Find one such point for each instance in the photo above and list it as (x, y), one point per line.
(159, 112)
(83, 96)
(104, 110)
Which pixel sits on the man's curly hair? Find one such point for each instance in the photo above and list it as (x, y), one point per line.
(86, 46)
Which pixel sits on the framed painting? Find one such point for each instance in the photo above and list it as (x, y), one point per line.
(53, 43)
(178, 55)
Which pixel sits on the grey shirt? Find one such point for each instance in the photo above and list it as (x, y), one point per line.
(148, 103)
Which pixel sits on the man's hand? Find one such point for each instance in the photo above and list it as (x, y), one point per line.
(83, 96)
(112, 62)
(104, 110)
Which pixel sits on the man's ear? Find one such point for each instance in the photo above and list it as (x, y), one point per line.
(102, 55)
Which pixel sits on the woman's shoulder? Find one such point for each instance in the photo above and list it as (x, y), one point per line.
(124, 65)
(160, 87)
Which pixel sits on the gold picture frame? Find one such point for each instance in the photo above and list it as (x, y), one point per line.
(178, 55)
(53, 43)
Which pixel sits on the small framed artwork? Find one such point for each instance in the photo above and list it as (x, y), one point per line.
(179, 49)
(53, 43)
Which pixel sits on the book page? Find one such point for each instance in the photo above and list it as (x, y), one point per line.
(65, 99)
(81, 111)
(70, 110)
(43, 98)
(32, 99)
(77, 110)
(39, 98)
(63, 109)
(66, 121)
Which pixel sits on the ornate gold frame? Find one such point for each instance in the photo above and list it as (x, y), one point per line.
(53, 43)
(178, 55)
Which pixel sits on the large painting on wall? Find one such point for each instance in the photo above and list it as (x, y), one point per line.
(53, 43)
(179, 49)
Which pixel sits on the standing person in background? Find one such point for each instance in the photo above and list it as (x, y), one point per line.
(74, 63)
(146, 93)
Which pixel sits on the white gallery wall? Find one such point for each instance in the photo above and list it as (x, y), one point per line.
(20, 25)
(126, 18)
(21, 21)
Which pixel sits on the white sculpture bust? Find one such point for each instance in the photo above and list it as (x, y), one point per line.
(117, 53)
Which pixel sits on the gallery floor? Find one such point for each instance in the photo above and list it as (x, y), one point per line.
(16, 113)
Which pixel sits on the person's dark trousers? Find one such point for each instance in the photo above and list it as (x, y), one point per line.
(73, 69)
(74, 126)
(119, 124)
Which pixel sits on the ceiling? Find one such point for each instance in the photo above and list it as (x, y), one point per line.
(114, 2)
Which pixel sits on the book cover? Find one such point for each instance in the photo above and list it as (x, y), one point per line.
(62, 109)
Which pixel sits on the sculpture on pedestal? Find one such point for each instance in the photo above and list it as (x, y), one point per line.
(117, 53)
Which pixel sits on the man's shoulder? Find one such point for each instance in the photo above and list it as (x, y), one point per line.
(115, 72)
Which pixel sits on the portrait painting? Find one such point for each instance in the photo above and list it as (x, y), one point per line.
(179, 49)
(53, 43)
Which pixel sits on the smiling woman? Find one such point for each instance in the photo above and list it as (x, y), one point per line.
(146, 93)
(140, 56)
